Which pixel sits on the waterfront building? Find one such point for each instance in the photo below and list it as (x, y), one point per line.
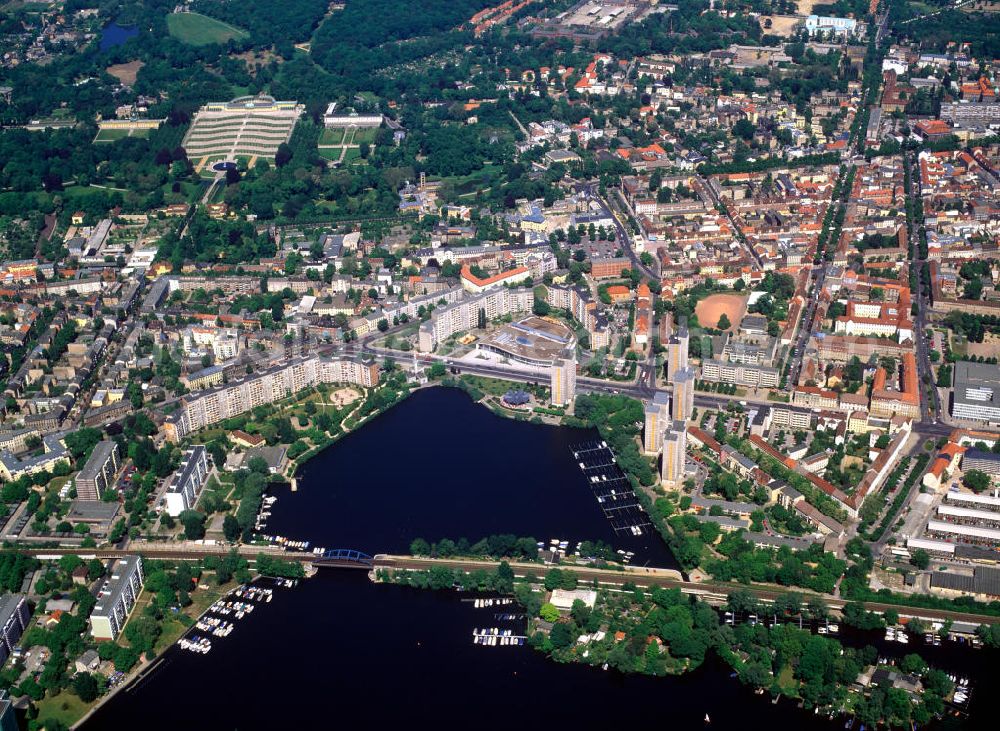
(657, 417)
(116, 598)
(233, 399)
(99, 472)
(14, 617)
(674, 446)
(563, 380)
(187, 482)
(683, 402)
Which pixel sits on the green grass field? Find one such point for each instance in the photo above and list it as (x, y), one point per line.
(111, 135)
(200, 30)
(330, 153)
(331, 137)
(365, 135)
(64, 706)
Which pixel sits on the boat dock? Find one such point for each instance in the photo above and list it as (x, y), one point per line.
(496, 637)
(611, 487)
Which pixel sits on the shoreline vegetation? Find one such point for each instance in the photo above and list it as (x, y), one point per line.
(663, 632)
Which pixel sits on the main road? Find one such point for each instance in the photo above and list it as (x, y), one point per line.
(930, 410)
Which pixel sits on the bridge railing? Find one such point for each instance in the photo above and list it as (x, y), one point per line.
(346, 555)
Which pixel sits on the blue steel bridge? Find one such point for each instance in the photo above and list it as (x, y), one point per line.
(346, 558)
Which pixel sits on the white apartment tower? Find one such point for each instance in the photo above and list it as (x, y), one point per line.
(674, 446)
(657, 417)
(563, 381)
(677, 352)
(683, 402)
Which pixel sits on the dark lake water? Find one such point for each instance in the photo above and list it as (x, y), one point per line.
(340, 651)
(440, 466)
(115, 35)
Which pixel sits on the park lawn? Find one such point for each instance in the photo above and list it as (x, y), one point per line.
(493, 386)
(331, 137)
(111, 135)
(64, 706)
(200, 30)
(56, 484)
(366, 134)
(330, 153)
(217, 490)
(352, 153)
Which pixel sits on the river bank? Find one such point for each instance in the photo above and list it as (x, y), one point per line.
(784, 650)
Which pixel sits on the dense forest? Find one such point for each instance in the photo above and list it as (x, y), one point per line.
(370, 36)
(268, 22)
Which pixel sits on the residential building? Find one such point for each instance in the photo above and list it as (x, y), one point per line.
(476, 285)
(904, 401)
(99, 472)
(55, 453)
(677, 352)
(791, 418)
(238, 397)
(464, 314)
(740, 374)
(683, 401)
(674, 449)
(187, 482)
(657, 417)
(563, 381)
(14, 617)
(116, 598)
